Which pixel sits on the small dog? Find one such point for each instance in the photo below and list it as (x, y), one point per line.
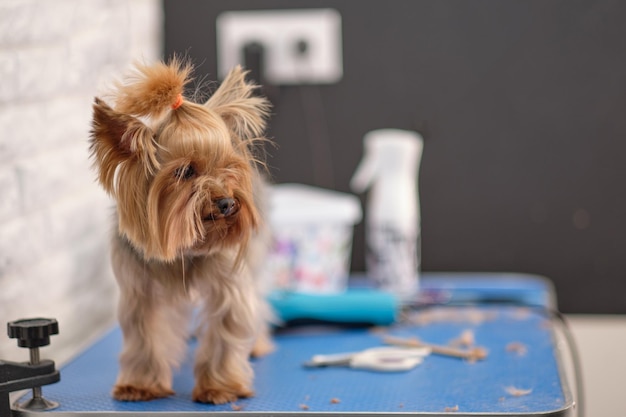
(187, 187)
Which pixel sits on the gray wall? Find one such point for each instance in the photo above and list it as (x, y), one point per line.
(522, 105)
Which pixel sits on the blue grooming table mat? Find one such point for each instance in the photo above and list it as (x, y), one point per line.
(436, 387)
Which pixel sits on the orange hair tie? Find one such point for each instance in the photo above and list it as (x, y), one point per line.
(178, 102)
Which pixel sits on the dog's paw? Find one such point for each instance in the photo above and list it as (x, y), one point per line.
(220, 395)
(262, 346)
(133, 393)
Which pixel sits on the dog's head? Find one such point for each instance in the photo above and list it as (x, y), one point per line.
(182, 173)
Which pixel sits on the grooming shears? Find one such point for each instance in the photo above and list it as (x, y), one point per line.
(383, 359)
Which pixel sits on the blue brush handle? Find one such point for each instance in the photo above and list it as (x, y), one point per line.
(352, 306)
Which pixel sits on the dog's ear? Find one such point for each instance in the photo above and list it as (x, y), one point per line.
(234, 101)
(118, 139)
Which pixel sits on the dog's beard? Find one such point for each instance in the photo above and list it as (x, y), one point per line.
(184, 219)
(221, 232)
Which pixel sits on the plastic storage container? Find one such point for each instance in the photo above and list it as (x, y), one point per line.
(312, 238)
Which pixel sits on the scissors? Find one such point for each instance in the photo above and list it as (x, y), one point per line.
(383, 359)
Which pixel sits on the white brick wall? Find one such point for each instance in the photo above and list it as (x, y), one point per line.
(55, 56)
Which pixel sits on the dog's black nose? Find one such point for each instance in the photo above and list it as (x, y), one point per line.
(226, 206)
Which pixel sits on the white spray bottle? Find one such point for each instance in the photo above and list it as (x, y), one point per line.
(390, 168)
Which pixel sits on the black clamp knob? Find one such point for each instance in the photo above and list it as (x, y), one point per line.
(32, 333)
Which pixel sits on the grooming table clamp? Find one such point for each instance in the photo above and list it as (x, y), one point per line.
(31, 334)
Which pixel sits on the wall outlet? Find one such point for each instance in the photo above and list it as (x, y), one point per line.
(300, 46)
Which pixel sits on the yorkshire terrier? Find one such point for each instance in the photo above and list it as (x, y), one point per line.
(189, 225)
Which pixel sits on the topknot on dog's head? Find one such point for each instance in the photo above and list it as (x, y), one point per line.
(151, 90)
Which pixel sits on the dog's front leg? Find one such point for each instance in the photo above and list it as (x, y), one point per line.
(154, 327)
(223, 372)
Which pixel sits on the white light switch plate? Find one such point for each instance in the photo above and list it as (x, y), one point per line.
(279, 32)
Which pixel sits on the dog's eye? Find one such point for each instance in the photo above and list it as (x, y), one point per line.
(185, 173)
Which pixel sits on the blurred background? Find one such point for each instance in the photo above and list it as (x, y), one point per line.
(54, 218)
(521, 105)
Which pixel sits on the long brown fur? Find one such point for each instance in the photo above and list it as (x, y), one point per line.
(170, 170)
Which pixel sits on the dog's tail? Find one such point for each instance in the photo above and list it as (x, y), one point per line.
(151, 90)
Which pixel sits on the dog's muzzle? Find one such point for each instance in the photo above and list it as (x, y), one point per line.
(227, 206)
(224, 207)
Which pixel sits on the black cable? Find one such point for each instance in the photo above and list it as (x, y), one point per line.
(576, 360)
(316, 127)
